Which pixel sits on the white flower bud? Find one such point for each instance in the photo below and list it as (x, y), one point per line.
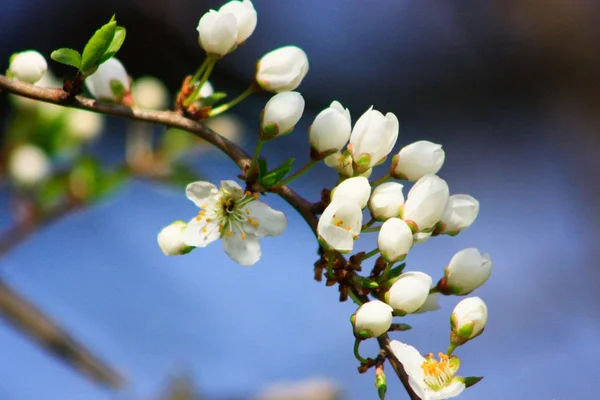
(417, 160)
(109, 79)
(356, 188)
(331, 128)
(28, 165)
(28, 66)
(282, 69)
(150, 93)
(170, 239)
(460, 213)
(386, 201)
(409, 292)
(281, 114)
(245, 16)
(217, 33)
(468, 320)
(84, 125)
(342, 162)
(372, 138)
(467, 270)
(206, 90)
(372, 319)
(340, 224)
(395, 240)
(426, 202)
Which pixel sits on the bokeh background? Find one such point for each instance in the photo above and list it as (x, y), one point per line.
(510, 88)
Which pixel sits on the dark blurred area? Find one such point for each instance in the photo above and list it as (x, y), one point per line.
(511, 90)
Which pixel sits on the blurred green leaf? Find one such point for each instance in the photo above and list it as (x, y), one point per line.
(97, 46)
(174, 142)
(111, 181)
(396, 271)
(115, 45)
(182, 174)
(472, 380)
(213, 99)
(262, 168)
(84, 178)
(67, 56)
(117, 88)
(52, 191)
(274, 176)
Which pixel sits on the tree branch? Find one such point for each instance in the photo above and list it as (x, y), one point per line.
(172, 119)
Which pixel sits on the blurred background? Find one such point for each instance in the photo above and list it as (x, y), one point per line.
(509, 88)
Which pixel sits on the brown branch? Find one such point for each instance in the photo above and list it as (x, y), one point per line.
(172, 119)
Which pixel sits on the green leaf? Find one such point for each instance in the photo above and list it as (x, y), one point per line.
(67, 56)
(262, 168)
(213, 99)
(115, 45)
(396, 271)
(111, 181)
(277, 174)
(472, 380)
(117, 87)
(84, 178)
(97, 46)
(52, 191)
(175, 142)
(182, 174)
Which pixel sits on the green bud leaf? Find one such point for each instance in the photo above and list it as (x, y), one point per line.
(67, 56)
(472, 380)
(396, 271)
(364, 282)
(277, 174)
(117, 88)
(213, 99)
(262, 168)
(97, 46)
(115, 44)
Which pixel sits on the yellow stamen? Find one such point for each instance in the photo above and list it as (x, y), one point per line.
(247, 211)
(202, 212)
(248, 193)
(255, 223)
(208, 220)
(256, 195)
(243, 236)
(204, 230)
(229, 233)
(198, 218)
(438, 374)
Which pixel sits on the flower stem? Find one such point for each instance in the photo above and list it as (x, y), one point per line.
(370, 254)
(199, 71)
(254, 161)
(224, 107)
(357, 354)
(298, 173)
(380, 180)
(386, 272)
(368, 224)
(355, 298)
(330, 266)
(208, 70)
(451, 349)
(367, 230)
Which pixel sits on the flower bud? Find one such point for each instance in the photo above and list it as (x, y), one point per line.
(395, 240)
(330, 130)
(340, 224)
(245, 16)
(282, 69)
(426, 203)
(417, 160)
(218, 33)
(110, 81)
(342, 162)
(468, 320)
(170, 239)
(460, 213)
(409, 292)
(84, 125)
(372, 319)
(356, 188)
(372, 138)
(467, 270)
(28, 165)
(150, 93)
(281, 114)
(386, 201)
(28, 66)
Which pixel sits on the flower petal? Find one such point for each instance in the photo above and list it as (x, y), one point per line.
(200, 192)
(336, 238)
(244, 250)
(200, 233)
(233, 188)
(410, 358)
(454, 389)
(270, 222)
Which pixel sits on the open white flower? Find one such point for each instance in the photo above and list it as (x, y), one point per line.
(245, 15)
(356, 188)
(340, 224)
(460, 213)
(236, 217)
(372, 319)
(429, 378)
(386, 201)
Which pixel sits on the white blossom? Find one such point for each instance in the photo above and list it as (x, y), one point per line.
(386, 201)
(27, 66)
(281, 114)
(426, 202)
(109, 75)
(429, 378)
(395, 240)
(340, 224)
(421, 237)
(460, 213)
(356, 188)
(218, 32)
(84, 125)
(431, 304)
(342, 162)
(409, 292)
(28, 165)
(372, 138)
(150, 93)
(372, 319)
(245, 16)
(468, 269)
(468, 320)
(330, 130)
(417, 160)
(282, 69)
(170, 239)
(233, 215)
